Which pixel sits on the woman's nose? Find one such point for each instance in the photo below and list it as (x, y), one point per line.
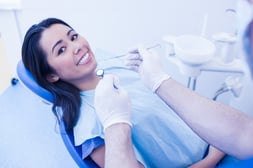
(76, 48)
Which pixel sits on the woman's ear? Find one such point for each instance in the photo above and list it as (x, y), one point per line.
(52, 78)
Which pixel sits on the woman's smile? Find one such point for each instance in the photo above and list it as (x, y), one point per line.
(84, 59)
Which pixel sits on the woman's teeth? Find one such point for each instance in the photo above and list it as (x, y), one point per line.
(83, 59)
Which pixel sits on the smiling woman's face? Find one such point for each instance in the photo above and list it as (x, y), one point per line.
(68, 54)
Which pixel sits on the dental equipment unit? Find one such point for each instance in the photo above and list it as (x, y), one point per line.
(194, 54)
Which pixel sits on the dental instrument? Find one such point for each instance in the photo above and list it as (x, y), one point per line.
(135, 51)
(100, 73)
(233, 84)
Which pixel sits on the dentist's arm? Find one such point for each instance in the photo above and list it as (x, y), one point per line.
(220, 125)
(118, 147)
(113, 108)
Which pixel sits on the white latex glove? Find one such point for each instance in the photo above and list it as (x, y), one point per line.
(112, 105)
(149, 66)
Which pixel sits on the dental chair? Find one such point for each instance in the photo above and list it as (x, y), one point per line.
(29, 82)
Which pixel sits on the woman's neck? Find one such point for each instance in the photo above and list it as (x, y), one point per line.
(89, 83)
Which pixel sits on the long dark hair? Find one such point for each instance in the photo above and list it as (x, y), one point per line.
(66, 96)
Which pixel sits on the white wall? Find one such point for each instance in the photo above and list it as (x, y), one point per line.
(118, 25)
(10, 47)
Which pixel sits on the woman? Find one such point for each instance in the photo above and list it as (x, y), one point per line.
(62, 62)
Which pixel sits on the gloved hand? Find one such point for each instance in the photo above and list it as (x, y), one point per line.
(149, 66)
(112, 105)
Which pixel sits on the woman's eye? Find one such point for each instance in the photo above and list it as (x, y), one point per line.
(75, 36)
(61, 50)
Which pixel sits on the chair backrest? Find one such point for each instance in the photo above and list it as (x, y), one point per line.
(75, 151)
(29, 82)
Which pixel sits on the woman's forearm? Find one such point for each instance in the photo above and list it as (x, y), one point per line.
(220, 125)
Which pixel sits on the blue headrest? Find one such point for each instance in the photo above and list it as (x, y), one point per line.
(28, 80)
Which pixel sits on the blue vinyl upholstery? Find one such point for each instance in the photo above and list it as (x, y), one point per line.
(29, 82)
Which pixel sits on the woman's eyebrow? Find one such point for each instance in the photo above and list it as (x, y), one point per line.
(58, 42)
(69, 32)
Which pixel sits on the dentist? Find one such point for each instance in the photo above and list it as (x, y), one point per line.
(222, 126)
